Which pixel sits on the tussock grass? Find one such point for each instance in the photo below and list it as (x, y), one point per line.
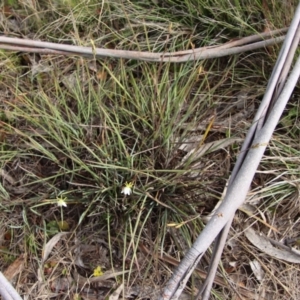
(80, 129)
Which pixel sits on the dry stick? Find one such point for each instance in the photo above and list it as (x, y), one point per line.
(258, 136)
(230, 48)
(256, 37)
(287, 64)
(204, 292)
(6, 289)
(286, 59)
(31, 50)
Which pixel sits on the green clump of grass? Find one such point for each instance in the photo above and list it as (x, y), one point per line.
(114, 132)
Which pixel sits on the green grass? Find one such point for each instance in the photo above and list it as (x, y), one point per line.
(80, 129)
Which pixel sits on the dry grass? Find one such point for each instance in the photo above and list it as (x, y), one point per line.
(78, 129)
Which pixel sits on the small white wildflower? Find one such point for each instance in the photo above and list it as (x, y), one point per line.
(127, 189)
(61, 202)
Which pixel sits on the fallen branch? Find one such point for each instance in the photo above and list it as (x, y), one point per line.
(7, 291)
(249, 43)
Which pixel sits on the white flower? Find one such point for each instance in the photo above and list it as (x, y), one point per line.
(127, 189)
(61, 202)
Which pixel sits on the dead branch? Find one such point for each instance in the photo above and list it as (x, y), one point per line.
(249, 43)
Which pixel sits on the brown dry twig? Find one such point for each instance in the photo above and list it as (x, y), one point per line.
(249, 43)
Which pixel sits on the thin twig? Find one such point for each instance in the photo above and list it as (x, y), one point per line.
(249, 43)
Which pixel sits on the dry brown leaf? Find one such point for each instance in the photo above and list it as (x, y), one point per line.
(15, 268)
(257, 269)
(196, 152)
(189, 143)
(51, 243)
(46, 252)
(263, 244)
